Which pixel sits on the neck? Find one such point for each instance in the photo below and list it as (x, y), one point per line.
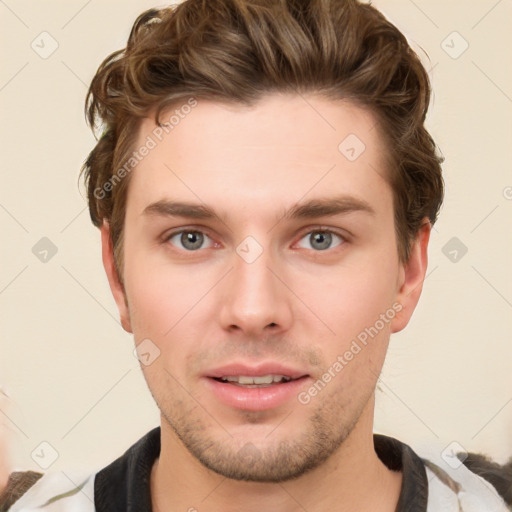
(353, 478)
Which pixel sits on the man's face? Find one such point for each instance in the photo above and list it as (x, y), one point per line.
(263, 289)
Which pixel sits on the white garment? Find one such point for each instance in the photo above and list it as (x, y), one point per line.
(475, 494)
(77, 491)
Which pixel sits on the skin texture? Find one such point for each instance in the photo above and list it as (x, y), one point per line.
(295, 304)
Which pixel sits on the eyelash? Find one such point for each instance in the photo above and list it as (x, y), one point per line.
(343, 237)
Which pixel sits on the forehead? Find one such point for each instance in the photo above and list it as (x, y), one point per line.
(271, 154)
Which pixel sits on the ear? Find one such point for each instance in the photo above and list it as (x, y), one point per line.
(117, 288)
(412, 275)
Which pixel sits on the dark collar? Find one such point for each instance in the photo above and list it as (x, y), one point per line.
(123, 486)
(400, 457)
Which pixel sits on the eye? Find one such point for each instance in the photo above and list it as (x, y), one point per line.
(190, 240)
(321, 240)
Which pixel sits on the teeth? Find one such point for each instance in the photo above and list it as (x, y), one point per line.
(247, 381)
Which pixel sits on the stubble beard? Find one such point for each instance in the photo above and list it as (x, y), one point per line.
(278, 460)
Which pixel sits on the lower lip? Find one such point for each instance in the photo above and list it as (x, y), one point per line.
(256, 399)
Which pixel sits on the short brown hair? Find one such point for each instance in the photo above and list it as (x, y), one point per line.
(239, 50)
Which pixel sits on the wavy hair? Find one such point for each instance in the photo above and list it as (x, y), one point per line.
(236, 51)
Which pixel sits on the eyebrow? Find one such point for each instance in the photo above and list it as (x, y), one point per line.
(328, 207)
(322, 207)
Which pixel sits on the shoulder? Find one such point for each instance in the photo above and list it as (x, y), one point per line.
(456, 482)
(500, 476)
(17, 485)
(55, 492)
(438, 478)
(110, 489)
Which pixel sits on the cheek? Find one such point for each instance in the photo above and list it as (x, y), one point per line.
(350, 298)
(161, 294)
(153, 306)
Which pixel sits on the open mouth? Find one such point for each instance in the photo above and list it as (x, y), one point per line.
(253, 381)
(261, 387)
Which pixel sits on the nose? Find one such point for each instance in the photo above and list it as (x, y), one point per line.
(254, 298)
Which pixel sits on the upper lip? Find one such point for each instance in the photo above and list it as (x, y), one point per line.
(255, 370)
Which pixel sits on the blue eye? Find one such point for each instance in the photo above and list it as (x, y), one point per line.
(189, 240)
(321, 240)
(192, 240)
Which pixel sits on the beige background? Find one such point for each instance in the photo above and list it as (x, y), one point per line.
(66, 362)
